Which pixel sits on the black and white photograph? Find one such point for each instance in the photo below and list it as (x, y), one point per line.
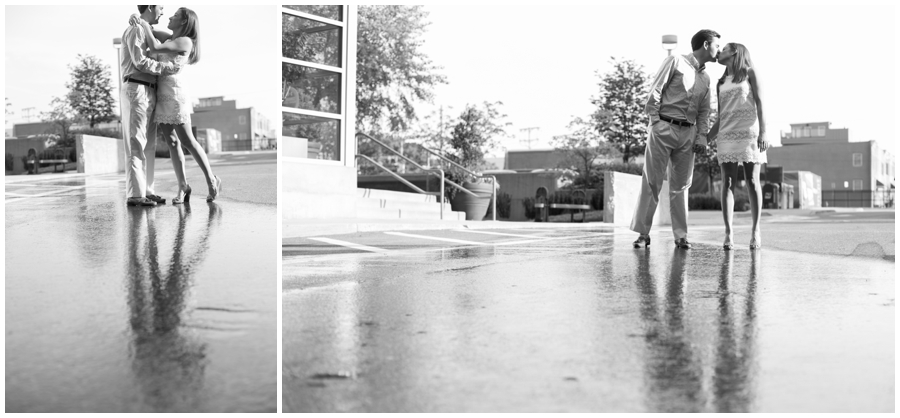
(141, 239)
(612, 207)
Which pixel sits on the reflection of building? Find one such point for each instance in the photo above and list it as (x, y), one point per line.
(853, 173)
(318, 67)
(241, 129)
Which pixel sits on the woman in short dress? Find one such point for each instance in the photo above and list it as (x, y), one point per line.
(740, 132)
(173, 108)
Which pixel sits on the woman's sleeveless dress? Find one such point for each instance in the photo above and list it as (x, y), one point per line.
(738, 124)
(173, 106)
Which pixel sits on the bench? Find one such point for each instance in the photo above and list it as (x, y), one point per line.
(54, 162)
(541, 203)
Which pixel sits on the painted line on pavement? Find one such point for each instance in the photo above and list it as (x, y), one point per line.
(62, 189)
(455, 241)
(306, 259)
(350, 245)
(497, 233)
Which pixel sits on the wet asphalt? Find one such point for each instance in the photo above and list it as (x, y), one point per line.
(112, 308)
(576, 320)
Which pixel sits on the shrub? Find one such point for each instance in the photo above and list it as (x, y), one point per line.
(707, 202)
(504, 203)
(597, 199)
(528, 203)
(9, 162)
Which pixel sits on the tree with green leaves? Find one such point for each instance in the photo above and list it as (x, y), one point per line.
(623, 96)
(90, 90)
(582, 147)
(476, 132)
(392, 73)
(63, 117)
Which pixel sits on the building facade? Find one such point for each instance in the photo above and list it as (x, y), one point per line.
(241, 129)
(318, 112)
(854, 174)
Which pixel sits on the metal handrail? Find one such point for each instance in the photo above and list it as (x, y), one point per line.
(474, 174)
(412, 186)
(432, 171)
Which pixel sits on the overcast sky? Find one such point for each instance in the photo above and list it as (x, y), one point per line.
(42, 41)
(816, 63)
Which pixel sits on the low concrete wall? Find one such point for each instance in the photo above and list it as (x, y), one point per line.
(620, 196)
(99, 155)
(317, 191)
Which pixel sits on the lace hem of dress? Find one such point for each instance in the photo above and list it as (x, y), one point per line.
(741, 157)
(741, 135)
(173, 119)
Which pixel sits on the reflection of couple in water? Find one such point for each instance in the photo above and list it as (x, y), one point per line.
(168, 362)
(153, 94)
(674, 367)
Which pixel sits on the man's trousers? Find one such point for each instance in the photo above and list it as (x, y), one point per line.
(138, 102)
(669, 148)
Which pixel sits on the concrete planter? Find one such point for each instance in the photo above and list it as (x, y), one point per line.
(475, 207)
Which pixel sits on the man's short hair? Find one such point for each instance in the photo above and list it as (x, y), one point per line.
(705, 35)
(143, 9)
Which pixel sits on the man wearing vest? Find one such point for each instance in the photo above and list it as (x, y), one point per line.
(679, 121)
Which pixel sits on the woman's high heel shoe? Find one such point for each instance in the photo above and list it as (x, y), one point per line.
(729, 242)
(756, 241)
(186, 198)
(214, 193)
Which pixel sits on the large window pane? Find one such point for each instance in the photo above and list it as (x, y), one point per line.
(328, 12)
(309, 40)
(310, 88)
(312, 137)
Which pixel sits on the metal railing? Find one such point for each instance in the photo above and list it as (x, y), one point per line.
(858, 198)
(434, 171)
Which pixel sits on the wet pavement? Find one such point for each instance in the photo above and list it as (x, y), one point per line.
(112, 308)
(575, 320)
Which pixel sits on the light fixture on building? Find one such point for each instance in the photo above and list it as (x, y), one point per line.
(669, 42)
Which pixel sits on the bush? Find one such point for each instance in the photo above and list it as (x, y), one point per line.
(707, 202)
(504, 203)
(597, 199)
(528, 203)
(9, 162)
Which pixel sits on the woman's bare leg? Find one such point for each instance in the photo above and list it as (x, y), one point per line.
(751, 173)
(175, 153)
(729, 178)
(194, 147)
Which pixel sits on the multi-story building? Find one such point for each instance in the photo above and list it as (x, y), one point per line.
(855, 174)
(242, 129)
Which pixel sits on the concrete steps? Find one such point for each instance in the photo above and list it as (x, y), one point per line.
(385, 204)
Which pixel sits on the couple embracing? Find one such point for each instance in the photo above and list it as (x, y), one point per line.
(153, 98)
(679, 107)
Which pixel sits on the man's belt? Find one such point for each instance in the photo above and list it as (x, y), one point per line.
(146, 83)
(675, 121)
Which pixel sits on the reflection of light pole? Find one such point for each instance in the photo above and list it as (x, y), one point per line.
(117, 44)
(669, 42)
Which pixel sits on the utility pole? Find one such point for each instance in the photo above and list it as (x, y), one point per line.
(529, 140)
(26, 113)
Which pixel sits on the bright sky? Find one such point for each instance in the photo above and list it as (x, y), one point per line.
(816, 63)
(239, 52)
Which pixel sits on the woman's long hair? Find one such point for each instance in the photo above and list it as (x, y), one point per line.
(191, 29)
(741, 64)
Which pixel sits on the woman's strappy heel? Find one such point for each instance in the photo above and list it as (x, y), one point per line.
(215, 192)
(756, 241)
(186, 198)
(729, 242)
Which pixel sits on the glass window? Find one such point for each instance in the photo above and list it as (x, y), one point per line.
(308, 40)
(806, 131)
(311, 137)
(857, 160)
(310, 88)
(242, 120)
(821, 131)
(328, 12)
(857, 184)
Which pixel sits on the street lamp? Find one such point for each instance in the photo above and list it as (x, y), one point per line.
(669, 42)
(117, 44)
